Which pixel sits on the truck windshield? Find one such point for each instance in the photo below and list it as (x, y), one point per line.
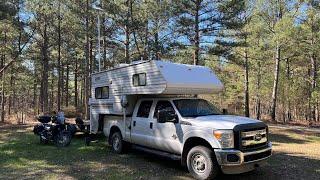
(195, 107)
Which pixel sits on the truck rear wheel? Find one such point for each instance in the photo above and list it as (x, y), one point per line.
(202, 163)
(117, 143)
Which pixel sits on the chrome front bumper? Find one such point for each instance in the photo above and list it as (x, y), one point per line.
(246, 161)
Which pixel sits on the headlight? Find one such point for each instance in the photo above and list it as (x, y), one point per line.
(225, 137)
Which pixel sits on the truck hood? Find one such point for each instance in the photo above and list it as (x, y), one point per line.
(220, 121)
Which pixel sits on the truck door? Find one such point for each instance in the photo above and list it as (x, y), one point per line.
(167, 135)
(142, 124)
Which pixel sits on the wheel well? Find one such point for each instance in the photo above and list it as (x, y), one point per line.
(189, 144)
(113, 130)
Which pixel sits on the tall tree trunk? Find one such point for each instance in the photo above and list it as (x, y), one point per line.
(127, 33)
(146, 47)
(3, 61)
(104, 35)
(105, 62)
(62, 99)
(314, 75)
(35, 89)
(156, 35)
(275, 83)
(2, 89)
(67, 86)
(12, 88)
(277, 69)
(157, 46)
(134, 31)
(52, 91)
(45, 70)
(246, 91)
(59, 61)
(197, 33)
(258, 106)
(86, 76)
(76, 84)
(289, 109)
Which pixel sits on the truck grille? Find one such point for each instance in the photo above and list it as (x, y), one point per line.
(250, 137)
(255, 139)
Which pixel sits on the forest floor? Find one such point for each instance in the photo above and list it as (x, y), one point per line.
(296, 156)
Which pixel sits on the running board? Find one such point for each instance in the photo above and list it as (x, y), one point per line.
(157, 152)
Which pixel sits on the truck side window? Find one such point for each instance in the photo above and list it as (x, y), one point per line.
(102, 92)
(139, 79)
(164, 105)
(144, 109)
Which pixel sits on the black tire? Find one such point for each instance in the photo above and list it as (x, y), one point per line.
(117, 143)
(62, 139)
(87, 141)
(202, 164)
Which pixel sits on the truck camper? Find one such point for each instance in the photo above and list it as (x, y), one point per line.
(153, 106)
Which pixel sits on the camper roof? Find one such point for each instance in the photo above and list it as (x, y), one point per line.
(162, 77)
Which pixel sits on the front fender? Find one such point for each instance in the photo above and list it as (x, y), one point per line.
(206, 134)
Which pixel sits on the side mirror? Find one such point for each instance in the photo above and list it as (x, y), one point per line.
(164, 116)
(224, 111)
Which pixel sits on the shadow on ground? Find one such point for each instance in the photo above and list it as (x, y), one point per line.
(21, 156)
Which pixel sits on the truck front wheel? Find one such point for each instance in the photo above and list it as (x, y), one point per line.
(117, 142)
(201, 163)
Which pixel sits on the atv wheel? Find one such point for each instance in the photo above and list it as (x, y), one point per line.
(43, 140)
(62, 139)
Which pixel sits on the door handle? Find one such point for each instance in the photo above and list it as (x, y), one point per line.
(151, 125)
(134, 123)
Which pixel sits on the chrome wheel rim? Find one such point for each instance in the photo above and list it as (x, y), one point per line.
(198, 163)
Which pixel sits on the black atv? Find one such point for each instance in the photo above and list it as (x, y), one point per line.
(50, 130)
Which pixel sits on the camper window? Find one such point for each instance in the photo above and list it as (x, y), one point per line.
(102, 92)
(139, 79)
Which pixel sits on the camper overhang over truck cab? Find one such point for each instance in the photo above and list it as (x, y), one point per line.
(152, 105)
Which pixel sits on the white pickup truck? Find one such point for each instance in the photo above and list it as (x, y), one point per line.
(194, 131)
(151, 105)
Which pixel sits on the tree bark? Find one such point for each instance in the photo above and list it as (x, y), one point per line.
(275, 83)
(105, 62)
(3, 61)
(76, 84)
(157, 47)
(197, 33)
(67, 86)
(156, 35)
(2, 88)
(62, 99)
(314, 75)
(258, 106)
(289, 109)
(246, 91)
(12, 88)
(276, 70)
(127, 34)
(35, 89)
(52, 91)
(59, 61)
(86, 74)
(146, 48)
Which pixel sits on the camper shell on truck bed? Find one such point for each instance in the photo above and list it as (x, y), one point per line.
(146, 78)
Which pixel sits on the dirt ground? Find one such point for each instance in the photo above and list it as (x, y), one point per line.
(296, 156)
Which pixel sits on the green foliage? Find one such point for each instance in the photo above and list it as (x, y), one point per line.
(233, 36)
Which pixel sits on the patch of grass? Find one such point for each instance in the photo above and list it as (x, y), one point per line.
(296, 156)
